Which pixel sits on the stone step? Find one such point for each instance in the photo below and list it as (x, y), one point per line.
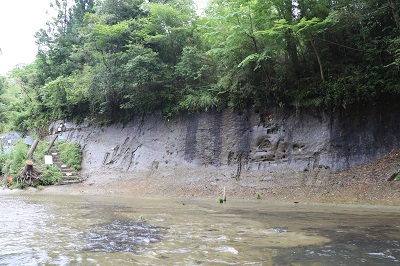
(67, 178)
(66, 182)
(70, 176)
(69, 173)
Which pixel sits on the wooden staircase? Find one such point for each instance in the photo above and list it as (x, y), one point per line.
(70, 176)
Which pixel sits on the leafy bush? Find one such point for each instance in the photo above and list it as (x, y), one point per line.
(19, 185)
(16, 158)
(70, 153)
(202, 101)
(4, 160)
(12, 161)
(18, 155)
(50, 176)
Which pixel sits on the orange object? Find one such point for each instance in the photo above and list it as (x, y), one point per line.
(9, 179)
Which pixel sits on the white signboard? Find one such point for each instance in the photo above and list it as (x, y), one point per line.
(48, 159)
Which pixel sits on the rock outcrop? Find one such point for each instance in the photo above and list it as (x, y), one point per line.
(277, 146)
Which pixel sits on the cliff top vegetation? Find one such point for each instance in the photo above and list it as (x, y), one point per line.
(112, 60)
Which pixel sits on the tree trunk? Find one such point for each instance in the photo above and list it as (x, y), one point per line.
(51, 143)
(321, 70)
(32, 149)
(291, 48)
(395, 11)
(256, 50)
(28, 167)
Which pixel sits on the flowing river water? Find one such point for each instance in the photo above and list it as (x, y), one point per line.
(91, 230)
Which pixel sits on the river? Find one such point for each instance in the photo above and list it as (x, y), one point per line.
(91, 230)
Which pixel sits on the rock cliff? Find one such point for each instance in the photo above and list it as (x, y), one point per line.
(277, 146)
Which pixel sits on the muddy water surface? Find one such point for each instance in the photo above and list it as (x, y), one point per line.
(91, 230)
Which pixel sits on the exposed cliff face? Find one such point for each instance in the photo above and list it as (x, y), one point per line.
(267, 146)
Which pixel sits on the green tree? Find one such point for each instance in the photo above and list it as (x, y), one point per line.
(144, 73)
(114, 59)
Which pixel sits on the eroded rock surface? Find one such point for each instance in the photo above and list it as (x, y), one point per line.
(278, 147)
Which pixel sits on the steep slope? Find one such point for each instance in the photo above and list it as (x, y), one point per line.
(277, 151)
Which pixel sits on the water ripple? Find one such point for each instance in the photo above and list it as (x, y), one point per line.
(122, 236)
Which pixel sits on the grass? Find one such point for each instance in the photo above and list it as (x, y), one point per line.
(50, 176)
(70, 153)
(258, 195)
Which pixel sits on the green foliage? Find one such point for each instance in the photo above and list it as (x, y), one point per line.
(14, 185)
(13, 161)
(195, 68)
(50, 176)
(116, 11)
(145, 71)
(112, 60)
(70, 153)
(10, 97)
(201, 100)
(258, 195)
(17, 156)
(5, 159)
(110, 38)
(397, 177)
(3, 84)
